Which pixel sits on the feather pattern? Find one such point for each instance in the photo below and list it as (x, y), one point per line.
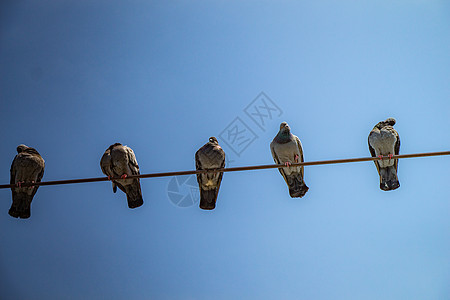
(210, 156)
(286, 149)
(384, 140)
(120, 161)
(27, 166)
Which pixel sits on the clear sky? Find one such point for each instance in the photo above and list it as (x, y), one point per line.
(160, 77)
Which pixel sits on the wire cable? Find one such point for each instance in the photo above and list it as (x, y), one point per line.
(234, 169)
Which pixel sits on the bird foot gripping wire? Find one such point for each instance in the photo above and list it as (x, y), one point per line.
(215, 170)
(124, 176)
(287, 164)
(19, 184)
(296, 158)
(247, 168)
(380, 157)
(391, 156)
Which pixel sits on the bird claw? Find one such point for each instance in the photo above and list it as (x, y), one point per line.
(391, 156)
(296, 158)
(124, 176)
(19, 183)
(287, 164)
(380, 157)
(109, 177)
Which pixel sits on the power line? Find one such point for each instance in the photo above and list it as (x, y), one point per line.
(235, 169)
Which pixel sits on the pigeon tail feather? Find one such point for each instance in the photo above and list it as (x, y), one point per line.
(388, 179)
(208, 199)
(134, 195)
(20, 207)
(297, 187)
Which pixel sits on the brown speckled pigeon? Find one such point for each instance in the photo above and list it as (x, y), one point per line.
(384, 141)
(210, 156)
(120, 161)
(28, 166)
(287, 149)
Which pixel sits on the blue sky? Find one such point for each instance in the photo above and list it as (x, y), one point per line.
(77, 76)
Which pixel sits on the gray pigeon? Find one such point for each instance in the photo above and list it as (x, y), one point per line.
(120, 161)
(287, 149)
(28, 166)
(210, 156)
(384, 141)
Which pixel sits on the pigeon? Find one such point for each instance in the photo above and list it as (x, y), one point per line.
(287, 149)
(27, 167)
(210, 156)
(120, 161)
(384, 140)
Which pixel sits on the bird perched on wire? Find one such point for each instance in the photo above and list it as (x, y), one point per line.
(210, 156)
(27, 167)
(385, 141)
(118, 162)
(287, 149)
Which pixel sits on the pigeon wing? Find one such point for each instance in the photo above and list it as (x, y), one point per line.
(105, 163)
(132, 162)
(198, 166)
(300, 149)
(372, 152)
(277, 160)
(13, 176)
(106, 166)
(222, 157)
(40, 174)
(396, 149)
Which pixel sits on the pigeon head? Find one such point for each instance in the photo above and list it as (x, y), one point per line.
(21, 148)
(113, 145)
(213, 140)
(284, 135)
(390, 121)
(284, 127)
(387, 122)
